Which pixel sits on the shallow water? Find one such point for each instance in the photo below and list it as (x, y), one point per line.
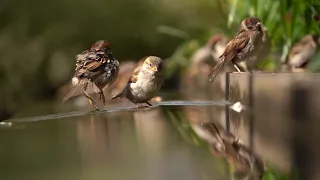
(115, 144)
(164, 141)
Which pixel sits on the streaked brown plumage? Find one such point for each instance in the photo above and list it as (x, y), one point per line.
(95, 69)
(225, 144)
(243, 47)
(264, 50)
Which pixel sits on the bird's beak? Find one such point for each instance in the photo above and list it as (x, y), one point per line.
(155, 69)
(259, 24)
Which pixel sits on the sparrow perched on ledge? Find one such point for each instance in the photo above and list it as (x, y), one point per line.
(302, 52)
(243, 47)
(145, 82)
(95, 69)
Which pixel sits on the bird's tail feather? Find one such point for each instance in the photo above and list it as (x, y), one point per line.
(120, 95)
(216, 69)
(74, 91)
(79, 90)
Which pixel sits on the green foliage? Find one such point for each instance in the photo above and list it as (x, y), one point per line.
(315, 63)
(273, 174)
(181, 57)
(38, 45)
(182, 124)
(286, 21)
(39, 39)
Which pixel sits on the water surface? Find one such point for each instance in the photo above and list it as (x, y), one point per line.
(122, 143)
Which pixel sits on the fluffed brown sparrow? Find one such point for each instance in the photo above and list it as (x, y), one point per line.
(302, 52)
(95, 69)
(243, 47)
(145, 82)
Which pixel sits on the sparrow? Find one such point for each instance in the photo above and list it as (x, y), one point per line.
(218, 44)
(264, 51)
(210, 52)
(95, 69)
(224, 144)
(125, 72)
(243, 47)
(145, 82)
(203, 60)
(302, 52)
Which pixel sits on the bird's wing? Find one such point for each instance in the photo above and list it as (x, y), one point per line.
(135, 75)
(91, 65)
(297, 48)
(133, 79)
(300, 54)
(80, 88)
(235, 46)
(90, 70)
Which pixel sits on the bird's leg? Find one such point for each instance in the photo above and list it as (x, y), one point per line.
(138, 106)
(148, 103)
(240, 69)
(102, 96)
(237, 67)
(245, 67)
(91, 101)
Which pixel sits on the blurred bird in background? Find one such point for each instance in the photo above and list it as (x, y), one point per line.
(301, 54)
(203, 60)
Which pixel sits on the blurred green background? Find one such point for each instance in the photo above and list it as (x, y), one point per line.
(39, 39)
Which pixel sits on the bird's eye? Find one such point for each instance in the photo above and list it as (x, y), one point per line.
(150, 65)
